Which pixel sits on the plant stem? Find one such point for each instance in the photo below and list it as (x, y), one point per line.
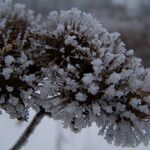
(29, 130)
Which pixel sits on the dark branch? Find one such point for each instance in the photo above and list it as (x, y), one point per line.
(29, 130)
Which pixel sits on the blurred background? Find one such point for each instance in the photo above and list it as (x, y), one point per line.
(129, 17)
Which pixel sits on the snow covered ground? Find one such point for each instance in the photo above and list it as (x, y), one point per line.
(50, 135)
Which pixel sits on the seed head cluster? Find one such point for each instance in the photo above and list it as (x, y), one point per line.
(71, 67)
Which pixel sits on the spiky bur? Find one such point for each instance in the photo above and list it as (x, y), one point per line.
(16, 69)
(91, 77)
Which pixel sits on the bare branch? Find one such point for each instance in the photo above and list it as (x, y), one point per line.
(29, 130)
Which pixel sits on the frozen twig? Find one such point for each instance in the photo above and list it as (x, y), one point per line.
(29, 130)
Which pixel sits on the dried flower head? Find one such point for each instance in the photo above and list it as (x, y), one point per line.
(16, 72)
(91, 77)
(74, 69)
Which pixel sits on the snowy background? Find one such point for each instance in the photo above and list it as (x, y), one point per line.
(50, 135)
(131, 18)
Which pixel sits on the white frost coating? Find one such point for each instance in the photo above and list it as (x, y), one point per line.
(9, 88)
(71, 40)
(114, 78)
(71, 68)
(119, 59)
(23, 58)
(97, 65)
(144, 109)
(136, 84)
(6, 73)
(87, 79)
(135, 102)
(108, 58)
(29, 78)
(125, 74)
(71, 85)
(81, 97)
(93, 89)
(110, 92)
(97, 62)
(130, 52)
(96, 108)
(9, 60)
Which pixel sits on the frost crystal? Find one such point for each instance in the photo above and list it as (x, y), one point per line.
(81, 97)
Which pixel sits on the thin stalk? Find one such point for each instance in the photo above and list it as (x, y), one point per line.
(29, 130)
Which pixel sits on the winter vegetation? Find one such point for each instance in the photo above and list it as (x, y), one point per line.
(15, 69)
(71, 68)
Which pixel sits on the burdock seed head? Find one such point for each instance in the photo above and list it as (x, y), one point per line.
(84, 74)
(91, 77)
(16, 69)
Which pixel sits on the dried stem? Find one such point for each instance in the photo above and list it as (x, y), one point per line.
(29, 130)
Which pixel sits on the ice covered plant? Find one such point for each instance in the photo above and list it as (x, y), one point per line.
(16, 71)
(91, 77)
(85, 75)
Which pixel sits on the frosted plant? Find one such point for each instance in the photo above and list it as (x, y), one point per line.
(91, 77)
(72, 69)
(16, 68)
